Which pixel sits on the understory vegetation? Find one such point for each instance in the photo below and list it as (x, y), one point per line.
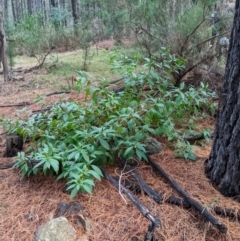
(188, 28)
(71, 139)
(168, 42)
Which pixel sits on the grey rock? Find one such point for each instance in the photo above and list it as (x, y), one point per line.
(153, 146)
(57, 229)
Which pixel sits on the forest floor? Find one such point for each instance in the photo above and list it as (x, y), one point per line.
(27, 203)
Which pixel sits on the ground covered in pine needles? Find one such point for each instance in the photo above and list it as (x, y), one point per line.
(27, 203)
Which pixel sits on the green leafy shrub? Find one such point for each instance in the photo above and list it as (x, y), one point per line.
(33, 38)
(72, 139)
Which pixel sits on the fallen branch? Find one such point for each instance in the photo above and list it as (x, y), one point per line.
(171, 199)
(145, 212)
(120, 89)
(19, 104)
(196, 137)
(177, 201)
(193, 138)
(223, 212)
(227, 212)
(7, 165)
(116, 81)
(202, 210)
(42, 110)
(4, 133)
(24, 71)
(150, 232)
(143, 185)
(58, 93)
(31, 69)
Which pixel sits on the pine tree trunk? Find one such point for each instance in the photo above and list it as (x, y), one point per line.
(223, 165)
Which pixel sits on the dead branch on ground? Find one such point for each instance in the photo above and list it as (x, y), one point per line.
(202, 210)
(7, 165)
(58, 93)
(143, 185)
(196, 137)
(15, 105)
(145, 212)
(115, 81)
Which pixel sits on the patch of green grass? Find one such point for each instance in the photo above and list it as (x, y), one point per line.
(60, 68)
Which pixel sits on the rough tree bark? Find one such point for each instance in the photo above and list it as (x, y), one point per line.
(223, 164)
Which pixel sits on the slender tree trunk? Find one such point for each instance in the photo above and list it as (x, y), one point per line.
(75, 16)
(29, 6)
(223, 165)
(53, 3)
(74, 11)
(13, 11)
(3, 54)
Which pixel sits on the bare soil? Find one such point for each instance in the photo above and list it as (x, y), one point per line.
(27, 203)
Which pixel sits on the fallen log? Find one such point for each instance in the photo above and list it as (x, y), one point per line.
(202, 210)
(145, 212)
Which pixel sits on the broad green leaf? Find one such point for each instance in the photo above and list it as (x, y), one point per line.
(74, 192)
(89, 181)
(71, 155)
(35, 171)
(192, 157)
(55, 165)
(77, 155)
(74, 175)
(97, 170)
(85, 155)
(46, 166)
(140, 154)
(70, 186)
(39, 164)
(131, 124)
(128, 151)
(95, 174)
(87, 188)
(104, 144)
(62, 175)
(138, 136)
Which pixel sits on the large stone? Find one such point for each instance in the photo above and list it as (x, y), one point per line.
(153, 146)
(57, 229)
